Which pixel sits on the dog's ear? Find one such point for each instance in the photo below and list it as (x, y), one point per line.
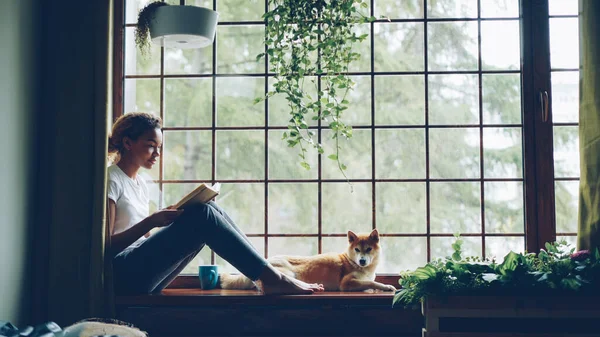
(351, 236)
(374, 236)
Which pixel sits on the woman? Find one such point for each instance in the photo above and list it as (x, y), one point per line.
(145, 263)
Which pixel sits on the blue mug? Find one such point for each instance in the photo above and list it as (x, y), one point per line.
(209, 276)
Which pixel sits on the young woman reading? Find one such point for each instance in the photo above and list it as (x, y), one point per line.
(145, 263)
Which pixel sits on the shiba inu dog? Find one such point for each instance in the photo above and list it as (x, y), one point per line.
(352, 270)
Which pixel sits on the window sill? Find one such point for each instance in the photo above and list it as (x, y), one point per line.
(192, 282)
(219, 297)
(176, 312)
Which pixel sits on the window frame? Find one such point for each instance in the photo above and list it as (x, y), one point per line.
(537, 134)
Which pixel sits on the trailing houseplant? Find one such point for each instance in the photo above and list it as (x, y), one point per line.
(313, 38)
(558, 268)
(142, 28)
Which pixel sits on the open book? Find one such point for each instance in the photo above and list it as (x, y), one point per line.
(201, 194)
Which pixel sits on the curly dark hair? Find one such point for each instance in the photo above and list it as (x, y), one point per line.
(131, 125)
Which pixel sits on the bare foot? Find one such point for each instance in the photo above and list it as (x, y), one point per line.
(276, 283)
(313, 286)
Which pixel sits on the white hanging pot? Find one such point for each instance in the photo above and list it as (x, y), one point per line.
(183, 27)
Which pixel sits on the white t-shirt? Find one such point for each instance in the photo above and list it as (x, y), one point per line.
(131, 197)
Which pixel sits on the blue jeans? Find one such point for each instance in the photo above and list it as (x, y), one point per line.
(151, 266)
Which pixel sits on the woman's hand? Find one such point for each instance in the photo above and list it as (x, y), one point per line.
(164, 217)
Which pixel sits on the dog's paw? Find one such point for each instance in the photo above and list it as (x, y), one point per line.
(388, 287)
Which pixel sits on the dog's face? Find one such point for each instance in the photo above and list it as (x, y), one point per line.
(363, 249)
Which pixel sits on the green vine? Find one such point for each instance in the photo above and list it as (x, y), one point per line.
(313, 39)
(142, 29)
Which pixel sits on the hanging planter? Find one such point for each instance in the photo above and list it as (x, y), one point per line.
(182, 27)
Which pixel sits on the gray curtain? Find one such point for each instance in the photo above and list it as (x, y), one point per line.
(589, 125)
(75, 101)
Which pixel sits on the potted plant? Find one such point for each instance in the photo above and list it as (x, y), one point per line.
(176, 26)
(310, 44)
(461, 293)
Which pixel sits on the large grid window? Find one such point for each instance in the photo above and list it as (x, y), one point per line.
(438, 145)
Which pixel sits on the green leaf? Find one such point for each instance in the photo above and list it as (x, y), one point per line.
(510, 263)
(489, 277)
(456, 256)
(332, 157)
(305, 165)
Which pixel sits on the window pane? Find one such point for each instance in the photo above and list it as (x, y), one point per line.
(402, 254)
(499, 8)
(240, 10)
(135, 62)
(363, 48)
(454, 153)
(401, 208)
(334, 244)
(188, 102)
(200, 3)
(452, 9)
(284, 161)
(455, 207)
(407, 160)
(359, 108)
(400, 100)
(502, 153)
(279, 109)
(500, 45)
(293, 246)
(563, 7)
(245, 204)
(567, 205)
(453, 99)
(565, 97)
(355, 154)
(498, 247)
(226, 267)
(399, 47)
(240, 155)
(404, 9)
(571, 240)
(501, 98)
(441, 247)
(566, 151)
(187, 155)
(142, 95)
(188, 61)
(237, 47)
(452, 46)
(504, 207)
(235, 101)
(293, 208)
(346, 207)
(202, 258)
(564, 43)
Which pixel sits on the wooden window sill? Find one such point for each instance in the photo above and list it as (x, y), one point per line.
(221, 297)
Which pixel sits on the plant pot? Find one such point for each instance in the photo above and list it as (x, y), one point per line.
(516, 316)
(183, 27)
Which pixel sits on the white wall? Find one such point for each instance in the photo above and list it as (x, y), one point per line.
(16, 106)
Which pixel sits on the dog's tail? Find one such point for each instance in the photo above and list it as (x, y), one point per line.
(238, 281)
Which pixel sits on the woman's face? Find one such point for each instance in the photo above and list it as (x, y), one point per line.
(145, 150)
